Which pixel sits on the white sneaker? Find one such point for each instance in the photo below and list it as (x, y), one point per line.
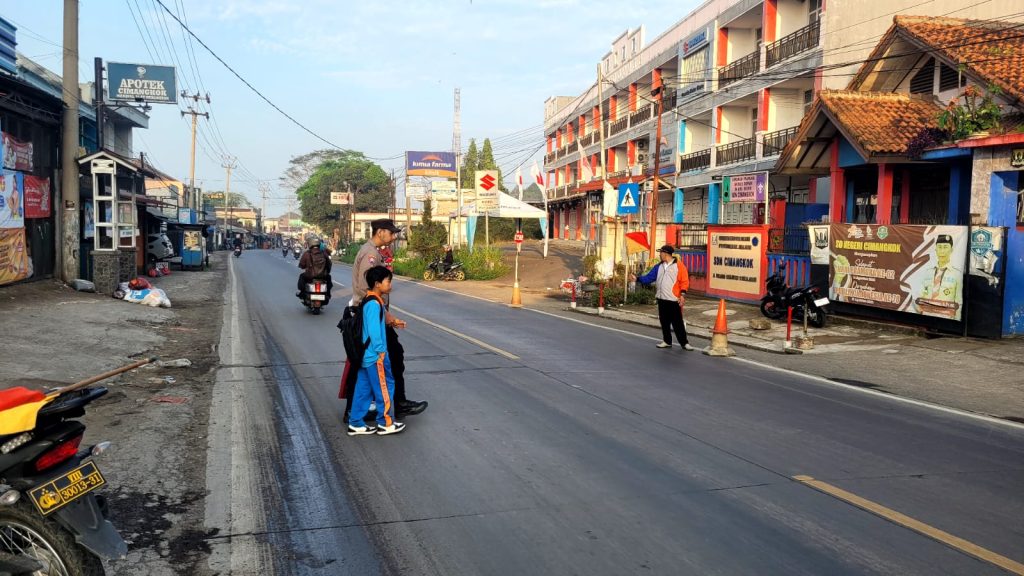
(361, 430)
(393, 429)
(687, 347)
(664, 345)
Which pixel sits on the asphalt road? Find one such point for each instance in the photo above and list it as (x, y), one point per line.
(558, 446)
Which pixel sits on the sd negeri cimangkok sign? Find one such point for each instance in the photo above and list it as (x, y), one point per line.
(141, 83)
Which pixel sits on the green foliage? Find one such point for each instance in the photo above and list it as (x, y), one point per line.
(470, 164)
(962, 120)
(590, 266)
(429, 237)
(349, 257)
(487, 162)
(406, 264)
(504, 229)
(482, 263)
(349, 170)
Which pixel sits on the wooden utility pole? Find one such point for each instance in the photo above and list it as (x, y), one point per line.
(68, 248)
(228, 165)
(457, 149)
(264, 190)
(653, 197)
(196, 204)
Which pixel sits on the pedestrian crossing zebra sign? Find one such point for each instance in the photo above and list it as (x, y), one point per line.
(628, 195)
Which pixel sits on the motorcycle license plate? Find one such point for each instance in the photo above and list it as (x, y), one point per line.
(63, 490)
(317, 297)
(821, 302)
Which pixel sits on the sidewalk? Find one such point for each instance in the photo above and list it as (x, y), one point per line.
(155, 416)
(982, 376)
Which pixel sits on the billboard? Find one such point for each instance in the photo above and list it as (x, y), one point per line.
(443, 189)
(342, 198)
(915, 269)
(440, 164)
(37, 197)
(487, 190)
(141, 83)
(737, 261)
(17, 153)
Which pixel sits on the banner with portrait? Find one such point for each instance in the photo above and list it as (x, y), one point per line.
(17, 154)
(915, 269)
(12, 211)
(15, 263)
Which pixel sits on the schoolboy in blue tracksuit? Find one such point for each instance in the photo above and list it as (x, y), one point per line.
(374, 381)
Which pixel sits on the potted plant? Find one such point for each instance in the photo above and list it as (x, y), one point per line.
(975, 116)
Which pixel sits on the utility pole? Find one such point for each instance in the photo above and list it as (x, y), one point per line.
(228, 165)
(394, 189)
(264, 190)
(192, 165)
(98, 101)
(653, 197)
(604, 170)
(457, 148)
(68, 248)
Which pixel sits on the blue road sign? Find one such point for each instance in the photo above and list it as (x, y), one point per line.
(629, 199)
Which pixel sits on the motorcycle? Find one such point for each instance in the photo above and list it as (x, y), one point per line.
(296, 251)
(436, 270)
(238, 251)
(284, 251)
(314, 297)
(779, 297)
(50, 513)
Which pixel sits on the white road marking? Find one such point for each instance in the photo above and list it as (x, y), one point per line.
(458, 334)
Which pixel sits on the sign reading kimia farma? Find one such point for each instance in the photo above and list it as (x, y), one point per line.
(439, 164)
(141, 82)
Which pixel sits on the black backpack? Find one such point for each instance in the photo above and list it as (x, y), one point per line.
(351, 327)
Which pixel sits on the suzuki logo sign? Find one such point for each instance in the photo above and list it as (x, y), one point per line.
(487, 190)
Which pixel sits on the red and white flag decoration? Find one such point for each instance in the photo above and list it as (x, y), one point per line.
(538, 177)
(519, 181)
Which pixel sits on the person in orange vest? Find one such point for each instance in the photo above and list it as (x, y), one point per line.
(671, 281)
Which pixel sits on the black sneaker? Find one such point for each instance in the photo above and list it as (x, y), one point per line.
(410, 407)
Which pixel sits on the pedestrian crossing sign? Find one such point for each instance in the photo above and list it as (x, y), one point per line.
(628, 195)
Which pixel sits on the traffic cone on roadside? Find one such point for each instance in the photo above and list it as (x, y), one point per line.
(719, 335)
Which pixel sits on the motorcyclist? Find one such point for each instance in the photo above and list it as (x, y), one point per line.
(449, 259)
(316, 265)
(237, 242)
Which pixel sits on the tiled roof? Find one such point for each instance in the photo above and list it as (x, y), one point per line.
(993, 50)
(881, 123)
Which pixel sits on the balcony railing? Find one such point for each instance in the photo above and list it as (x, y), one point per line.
(641, 115)
(550, 157)
(618, 126)
(737, 151)
(573, 147)
(587, 140)
(739, 69)
(560, 153)
(800, 41)
(772, 143)
(700, 160)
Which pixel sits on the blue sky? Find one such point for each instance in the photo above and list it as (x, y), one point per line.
(371, 76)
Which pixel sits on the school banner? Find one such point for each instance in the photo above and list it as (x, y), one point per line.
(915, 269)
(14, 261)
(37, 197)
(17, 153)
(12, 213)
(737, 261)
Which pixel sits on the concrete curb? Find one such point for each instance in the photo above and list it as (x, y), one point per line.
(693, 329)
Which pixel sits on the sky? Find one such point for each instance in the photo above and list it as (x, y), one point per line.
(374, 76)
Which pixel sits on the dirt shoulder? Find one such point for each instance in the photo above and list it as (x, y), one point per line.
(155, 416)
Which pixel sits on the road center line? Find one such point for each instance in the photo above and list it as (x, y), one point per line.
(458, 334)
(932, 532)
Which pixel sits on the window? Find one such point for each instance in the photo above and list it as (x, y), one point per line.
(758, 37)
(753, 122)
(950, 78)
(694, 71)
(814, 11)
(924, 80)
(634, 45)
(808, 100)
(623, 53)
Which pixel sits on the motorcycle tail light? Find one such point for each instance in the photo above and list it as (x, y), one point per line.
(60, 453)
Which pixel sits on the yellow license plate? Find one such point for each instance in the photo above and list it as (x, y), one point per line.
(61, 491)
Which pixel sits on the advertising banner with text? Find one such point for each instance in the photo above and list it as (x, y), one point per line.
(915, 269)
(14, 261)
(37, 197)
(737, 261)
(12, 212)
(440, 164)
(17, 153)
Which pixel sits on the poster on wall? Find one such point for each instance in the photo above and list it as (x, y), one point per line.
(986, 248)
(12, 211)
(737, 261)
(915, 269)
(17, 153)
(88, 221)
(37, 197)
(819, 243)
(14, 261)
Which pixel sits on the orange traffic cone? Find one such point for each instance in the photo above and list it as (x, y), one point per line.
(719, 338)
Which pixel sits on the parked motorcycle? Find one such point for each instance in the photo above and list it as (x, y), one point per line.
(50, 514)
(436, 270)
(314, 297)
(779, 297)
(297, 252)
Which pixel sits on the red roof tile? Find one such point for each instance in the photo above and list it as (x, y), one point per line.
(881, 123)
(993, 50)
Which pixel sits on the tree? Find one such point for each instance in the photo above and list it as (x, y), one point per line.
(487, 162)
(235, 199)
(300, 168)
(470, 164)
(349, 172)
(429, 236)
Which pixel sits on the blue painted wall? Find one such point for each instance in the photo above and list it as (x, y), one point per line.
(848, 155)
(1003, 212)
(960, 194)
(714, 200)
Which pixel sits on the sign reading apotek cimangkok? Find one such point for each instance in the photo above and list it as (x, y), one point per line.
(916, 269)
(141, 83)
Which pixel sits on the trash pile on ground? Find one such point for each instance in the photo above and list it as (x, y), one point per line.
(140, 291)
(159, 269)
